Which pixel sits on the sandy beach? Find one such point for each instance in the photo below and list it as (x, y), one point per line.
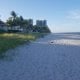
(54, 57)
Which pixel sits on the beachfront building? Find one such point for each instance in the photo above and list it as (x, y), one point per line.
(3, 26)
(41, 23)
(16, 28)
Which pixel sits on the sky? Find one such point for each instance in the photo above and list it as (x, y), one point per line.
(61, 15)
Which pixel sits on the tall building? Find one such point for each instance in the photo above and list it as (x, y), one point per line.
(44, 23)
(41, 23)
(30, 21)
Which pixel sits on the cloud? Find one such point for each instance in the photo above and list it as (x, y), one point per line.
(70, 22)
(75, 15)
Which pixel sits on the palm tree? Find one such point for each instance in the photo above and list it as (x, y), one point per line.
(21, 18)
(13, 14)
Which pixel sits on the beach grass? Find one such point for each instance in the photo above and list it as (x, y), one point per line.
(12, 40)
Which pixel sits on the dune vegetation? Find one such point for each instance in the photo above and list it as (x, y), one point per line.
(11, 40)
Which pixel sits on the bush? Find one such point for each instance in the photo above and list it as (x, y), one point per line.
(2, 31)
(13, 31)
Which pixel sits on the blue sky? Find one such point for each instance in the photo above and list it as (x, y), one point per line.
(62, 15)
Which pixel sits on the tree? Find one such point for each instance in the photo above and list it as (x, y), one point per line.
(27, 25)
(13, 14)
(21, 18)
(9, 22)
(12, 20)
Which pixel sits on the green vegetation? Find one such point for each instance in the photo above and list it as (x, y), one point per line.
(25, 24)
(15, 20)
(11, 40)
(19, 31)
